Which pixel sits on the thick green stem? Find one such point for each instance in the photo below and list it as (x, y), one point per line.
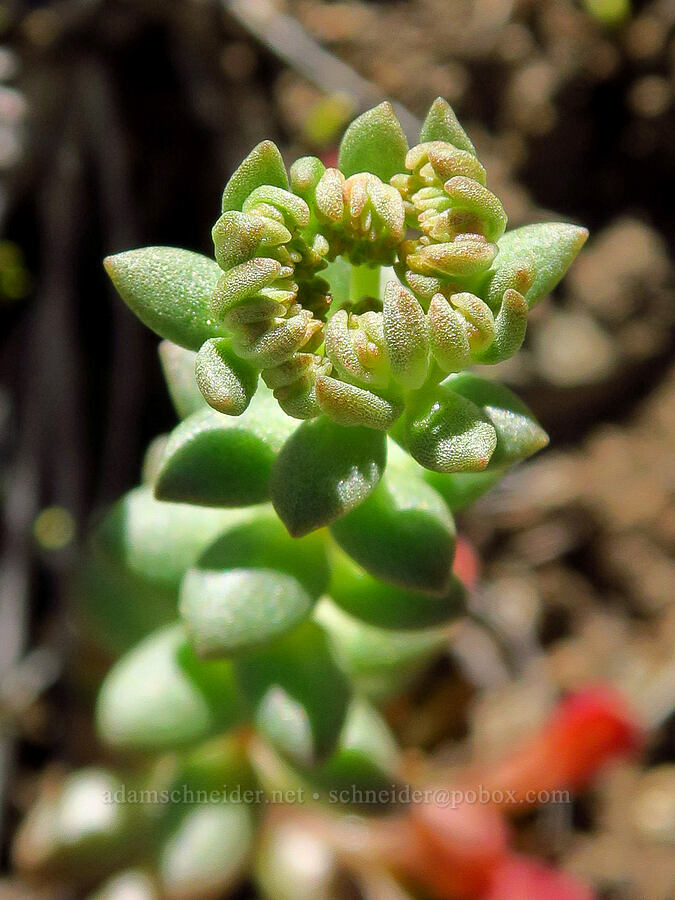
(364, 282)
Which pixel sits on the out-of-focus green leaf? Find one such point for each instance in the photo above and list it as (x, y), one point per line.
(298, 694)
(229, 611)
(380, 663)
(519, 435)
(178, 366)
(78, 830)
(441, 124)
(374, 143)
(262, 542)
(169, 289)
(132, 884)
(128, 583)
(361, 772)
(160, 696)
(385, 606)
(323, 471)
(263, 165)
(554, 247)
(448, 433)
(208, 852)
(216, 460)
(402, 533)
(463, 488)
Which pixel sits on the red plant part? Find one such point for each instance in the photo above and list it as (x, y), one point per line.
(519, 878)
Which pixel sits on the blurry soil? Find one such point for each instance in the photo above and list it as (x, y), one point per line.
(572, 118)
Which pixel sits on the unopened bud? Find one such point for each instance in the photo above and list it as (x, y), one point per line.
(347, 404)
(448, 337)
(510, 327)
(405, 335)
(355, 346)
(465, 256)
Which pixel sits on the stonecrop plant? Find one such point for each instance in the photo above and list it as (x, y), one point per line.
(287, 564)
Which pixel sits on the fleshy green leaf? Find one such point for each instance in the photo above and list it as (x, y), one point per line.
(554, 246)
(463, 488)
(448, 433)
(441, 124)
(169, 289)
(262, 542)
(263, 165)
(380, 663)
(362, 771)
(178, 366)
(323, 471)
(519, 435)
(136, 558)
(156, 541)
(403, 533)
(207, 853)
(374, 143)
(216, 460)
(298, 693)
(380, 604)
(232, 610)
(160, 695)
(226, 382)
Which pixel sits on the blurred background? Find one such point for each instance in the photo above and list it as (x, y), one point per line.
(120, 121)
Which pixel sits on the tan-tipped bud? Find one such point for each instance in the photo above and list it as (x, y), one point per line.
(288, 372)
(236, 238)
(448, 336)
(276, 344)
(347, 404)
(294, 210)
(298, 398)
(355, 345)
(330, 204)
(243, 282)
(468, 194)
(306, 173)
(518, 274)
(510, 327)
(227, 383)
(480, 323)
(405, 335)
(465, 256)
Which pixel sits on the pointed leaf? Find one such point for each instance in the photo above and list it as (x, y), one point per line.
(374, 143)
(519, 435)
(554, 246)
(377, 603)
(403, 533)
(160, 696)
(229, 611)
(447, 433)
(441, 124)
(169, 289)
(216, 460)
(263, 165)
(178, 366)
(226, 382)
(298, 694)
(323, 471)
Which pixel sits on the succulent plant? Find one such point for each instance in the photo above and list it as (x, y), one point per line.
(298, 522)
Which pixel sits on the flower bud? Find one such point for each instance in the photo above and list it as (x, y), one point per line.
(405, 334)
(478, 318)
(242, 283)
(347, 404)
(355, 346)
(270, 346)
(509, 328)
(448, 338)
(226, 382)
(467, 255)
(292, 209)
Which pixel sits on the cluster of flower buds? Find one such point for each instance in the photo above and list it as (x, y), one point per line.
(303, 301)
(457, 299)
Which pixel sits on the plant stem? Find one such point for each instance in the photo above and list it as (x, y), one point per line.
(364, 282)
